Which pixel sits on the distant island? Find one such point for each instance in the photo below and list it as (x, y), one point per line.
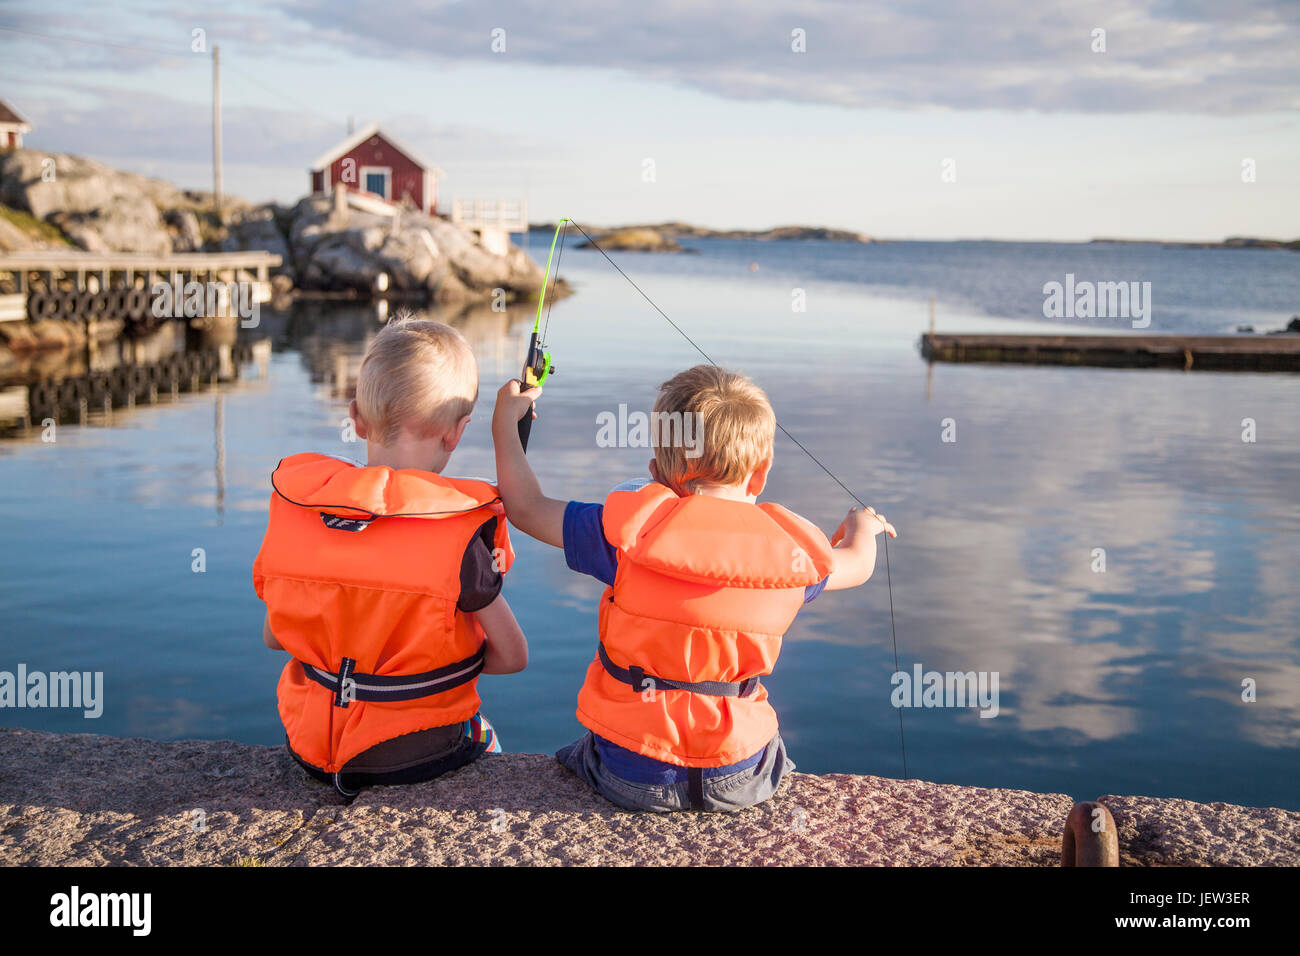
(1232, 242)
(637, 239)
(662, 237)
(678, 230)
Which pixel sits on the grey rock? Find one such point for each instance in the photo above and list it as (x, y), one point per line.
(187, 236)
(98, 208)
(333, 247)
(1156, 831)
(259, 228)
(88, 799)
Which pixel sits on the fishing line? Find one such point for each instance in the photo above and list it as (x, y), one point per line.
(817, 461)
(558, 260)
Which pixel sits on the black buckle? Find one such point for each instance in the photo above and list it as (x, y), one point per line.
(639, 678)
(748, 686)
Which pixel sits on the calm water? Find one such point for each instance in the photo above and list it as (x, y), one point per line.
(1127, 681)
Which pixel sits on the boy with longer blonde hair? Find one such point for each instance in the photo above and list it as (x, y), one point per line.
(701, 584)
(383, 581)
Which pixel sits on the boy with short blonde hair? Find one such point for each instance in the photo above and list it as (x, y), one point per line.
(383, 581)
(702, 582)
(417, 374)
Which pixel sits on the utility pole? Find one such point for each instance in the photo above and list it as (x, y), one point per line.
(216, 129)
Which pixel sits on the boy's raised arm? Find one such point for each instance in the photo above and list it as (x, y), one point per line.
(527, 508)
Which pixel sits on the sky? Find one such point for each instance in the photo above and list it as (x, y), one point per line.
(904, 119)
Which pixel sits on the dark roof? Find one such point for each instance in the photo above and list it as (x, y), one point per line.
(7, 115)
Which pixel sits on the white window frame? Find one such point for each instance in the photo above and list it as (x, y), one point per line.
(365, 171)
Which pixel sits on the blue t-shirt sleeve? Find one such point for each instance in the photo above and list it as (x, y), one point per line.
(585, 548)
(812, 590)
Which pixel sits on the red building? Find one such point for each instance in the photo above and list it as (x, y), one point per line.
(12, 128)
(371, 161)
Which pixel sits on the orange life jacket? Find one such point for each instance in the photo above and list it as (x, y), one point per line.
(705, 589)
(372, 602)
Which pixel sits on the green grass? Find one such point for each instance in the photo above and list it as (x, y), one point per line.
(33, 227)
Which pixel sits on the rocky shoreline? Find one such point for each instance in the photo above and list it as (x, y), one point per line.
(94, 800)
(327, 242)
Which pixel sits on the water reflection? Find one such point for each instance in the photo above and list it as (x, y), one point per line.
(85, 385)
(332, 340)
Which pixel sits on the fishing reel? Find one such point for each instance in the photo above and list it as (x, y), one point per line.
(537, 369)
(537, 366)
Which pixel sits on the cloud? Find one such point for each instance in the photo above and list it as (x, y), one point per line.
(1006, 54)
(1010, 54)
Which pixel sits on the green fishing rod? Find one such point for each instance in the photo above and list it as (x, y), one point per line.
(537, 363)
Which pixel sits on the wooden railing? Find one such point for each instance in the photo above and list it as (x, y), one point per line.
(510, 215)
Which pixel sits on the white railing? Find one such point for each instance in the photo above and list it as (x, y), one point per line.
(510, 215)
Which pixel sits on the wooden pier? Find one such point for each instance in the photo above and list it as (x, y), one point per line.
(1246, 353)
(69, 284)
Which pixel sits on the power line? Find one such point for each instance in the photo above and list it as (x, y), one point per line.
(159, 51)
(104, 43)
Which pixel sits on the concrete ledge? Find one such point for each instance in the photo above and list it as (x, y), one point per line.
(93, 800)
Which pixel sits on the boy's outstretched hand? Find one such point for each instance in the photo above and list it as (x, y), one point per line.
(862, 521)
(513, 403)
(855, 547)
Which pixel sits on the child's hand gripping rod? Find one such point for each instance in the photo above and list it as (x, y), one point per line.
(537, 363)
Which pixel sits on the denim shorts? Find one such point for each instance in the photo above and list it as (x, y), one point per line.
(734, 791)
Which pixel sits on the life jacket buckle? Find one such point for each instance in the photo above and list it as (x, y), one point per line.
(639, 678)
(347, 688)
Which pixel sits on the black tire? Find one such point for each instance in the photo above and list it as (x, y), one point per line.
(39, 396)
(72, 391)
(42, 305)
(66, 305)
(137, 305)
(101, 387)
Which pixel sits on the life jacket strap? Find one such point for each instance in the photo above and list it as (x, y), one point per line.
(348, 685)
(637, 678)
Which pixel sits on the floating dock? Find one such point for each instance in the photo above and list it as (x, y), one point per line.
(1244, 353)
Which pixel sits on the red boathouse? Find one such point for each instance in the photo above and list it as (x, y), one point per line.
(371, 161)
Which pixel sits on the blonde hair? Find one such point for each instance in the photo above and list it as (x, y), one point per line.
(733, 423)
(417, 374)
